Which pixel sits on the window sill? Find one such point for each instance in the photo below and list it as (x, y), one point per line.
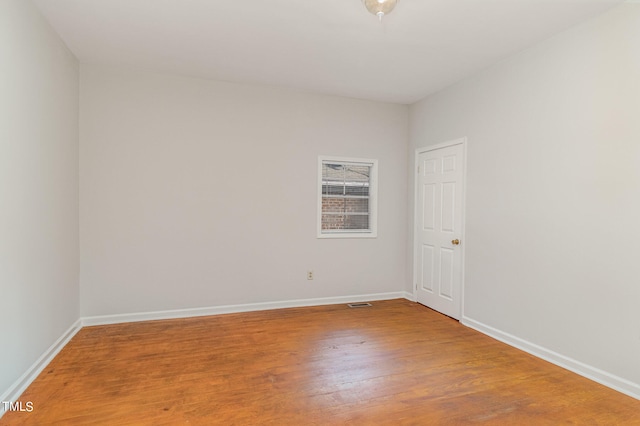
(369, 234)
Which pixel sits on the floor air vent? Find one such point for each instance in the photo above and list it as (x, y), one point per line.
(359, 305)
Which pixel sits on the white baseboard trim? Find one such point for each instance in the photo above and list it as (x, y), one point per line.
(409, 296)
(231, 309)
(13, 393)
(604, 378)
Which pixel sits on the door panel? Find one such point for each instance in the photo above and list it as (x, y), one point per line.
(439, 226)
(428, 209)
(446, 273)
(448, 207)
(427, 268)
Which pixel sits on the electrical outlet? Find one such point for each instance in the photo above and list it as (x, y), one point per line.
(309, 275)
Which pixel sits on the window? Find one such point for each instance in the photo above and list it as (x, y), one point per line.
(347, 197)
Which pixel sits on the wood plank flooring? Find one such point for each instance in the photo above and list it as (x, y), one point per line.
(396, 363)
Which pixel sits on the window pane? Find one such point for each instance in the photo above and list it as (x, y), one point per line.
(345, 179)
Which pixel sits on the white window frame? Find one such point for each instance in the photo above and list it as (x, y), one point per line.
(372, 232)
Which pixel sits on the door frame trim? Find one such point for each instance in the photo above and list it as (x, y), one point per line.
(460, 141)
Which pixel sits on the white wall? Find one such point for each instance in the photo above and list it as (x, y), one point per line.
(38, 189)
(553, 200)
(198, 193)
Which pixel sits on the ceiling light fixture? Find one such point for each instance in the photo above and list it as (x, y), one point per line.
(380, 7)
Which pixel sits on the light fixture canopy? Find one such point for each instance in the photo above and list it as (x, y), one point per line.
(380, 7)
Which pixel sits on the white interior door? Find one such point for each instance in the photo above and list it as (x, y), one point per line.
(439, 239)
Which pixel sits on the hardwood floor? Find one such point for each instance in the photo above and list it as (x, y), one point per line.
(396, 362)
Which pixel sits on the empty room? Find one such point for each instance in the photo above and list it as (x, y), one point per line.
(408, 212)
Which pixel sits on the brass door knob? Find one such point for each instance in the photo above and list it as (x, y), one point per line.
(455, 242)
